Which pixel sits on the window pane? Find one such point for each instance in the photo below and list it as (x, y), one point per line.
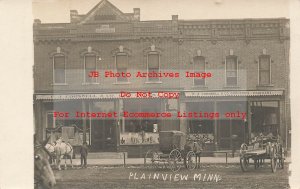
(264, 77)
(153, 78)
(122, 61)
(264, 63)
(90, 62)
(232, 81)
(199, 81)
(231, 70)
(90, 65)
(231, 74)
(122, 79)
(59, 69)
(231, 63)
(59, 62)
(199, 63)
(153, 61)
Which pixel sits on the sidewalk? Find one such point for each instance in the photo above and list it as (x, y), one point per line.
(140, 161)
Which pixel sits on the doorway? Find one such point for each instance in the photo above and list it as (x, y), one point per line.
(231, 133)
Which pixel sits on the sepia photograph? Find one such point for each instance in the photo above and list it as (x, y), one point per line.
(123, 99)
(158, 94)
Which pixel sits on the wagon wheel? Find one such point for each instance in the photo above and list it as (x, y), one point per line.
(256, 163)
(281, 158)
(151, 159)
(273, 158)
(244, 162)
(191, 160)
(174, 159)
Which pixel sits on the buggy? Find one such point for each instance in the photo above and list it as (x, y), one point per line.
(173, 153)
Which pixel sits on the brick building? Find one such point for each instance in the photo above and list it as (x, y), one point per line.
(248, 60)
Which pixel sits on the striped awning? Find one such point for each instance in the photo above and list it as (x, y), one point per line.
(233, 93)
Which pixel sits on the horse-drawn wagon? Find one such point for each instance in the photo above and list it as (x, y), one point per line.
(174, 152)
(262, 148)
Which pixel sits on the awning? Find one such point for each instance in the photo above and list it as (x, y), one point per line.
(233, 93)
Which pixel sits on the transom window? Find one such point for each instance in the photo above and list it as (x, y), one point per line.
(59, 69)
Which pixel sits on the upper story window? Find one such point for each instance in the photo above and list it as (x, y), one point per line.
(153, 65)
(264, 70)
(199, 66)
(59, 69)
(90, 64)
(231, 69)
(122, 65)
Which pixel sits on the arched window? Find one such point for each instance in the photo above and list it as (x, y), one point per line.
(122, 65)
(153, 65)
(231, 69)
(199, 66)
(59, 68)
(264, 70)
(90, 64)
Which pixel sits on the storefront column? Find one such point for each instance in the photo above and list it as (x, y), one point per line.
(215, 127)
(39, 129)
(249, 121)
(84, 121)
(121, 119)
(282, 123)
(183, 122)
(118, 122)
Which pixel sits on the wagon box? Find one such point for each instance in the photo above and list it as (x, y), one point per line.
(169, 140)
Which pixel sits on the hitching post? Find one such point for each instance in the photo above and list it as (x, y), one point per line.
(124, 159)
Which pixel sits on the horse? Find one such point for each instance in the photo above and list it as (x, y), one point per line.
(64, 149)
(43, 174)
(50, 148)
(196, 147)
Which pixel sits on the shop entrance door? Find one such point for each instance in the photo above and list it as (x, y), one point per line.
(103, 135)
(231, 133)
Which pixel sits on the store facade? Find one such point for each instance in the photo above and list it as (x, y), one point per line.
(233, 73)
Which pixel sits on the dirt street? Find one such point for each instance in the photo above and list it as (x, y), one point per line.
(208, 176)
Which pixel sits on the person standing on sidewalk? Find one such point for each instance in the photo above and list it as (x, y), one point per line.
(83, 154)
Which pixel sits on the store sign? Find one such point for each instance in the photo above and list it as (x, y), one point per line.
(138, 138)
(233, 93)
(77, 96)
(105, 29)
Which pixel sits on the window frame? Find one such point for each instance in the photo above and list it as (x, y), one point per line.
(159, 66)
(84, 68)
(259, 70)
(203, 71)
(53, 68)
(237, 71)
(116, 67)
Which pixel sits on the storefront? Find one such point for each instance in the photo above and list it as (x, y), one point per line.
(242, 115)
(106, 121)
(79, 117)
(225, 119)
